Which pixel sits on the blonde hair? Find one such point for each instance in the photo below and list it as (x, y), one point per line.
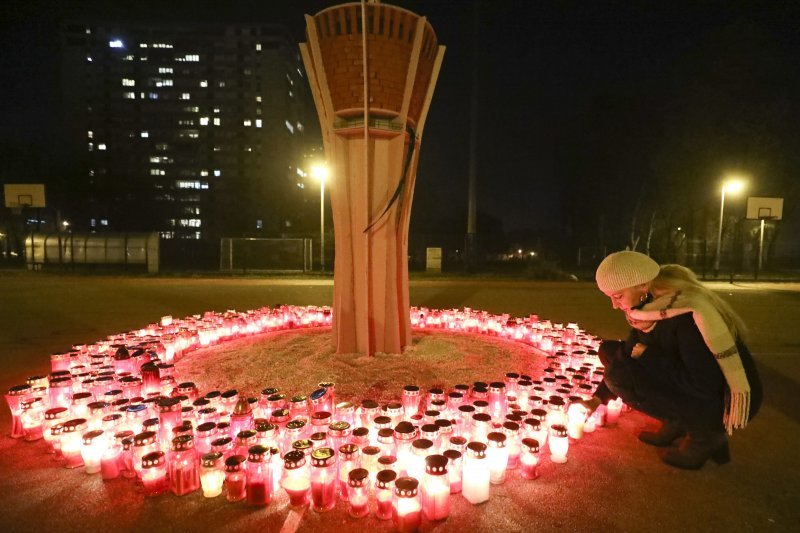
(673, 278)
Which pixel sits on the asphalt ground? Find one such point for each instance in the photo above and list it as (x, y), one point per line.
(611, 482)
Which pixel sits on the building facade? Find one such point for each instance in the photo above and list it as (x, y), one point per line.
(195, 132)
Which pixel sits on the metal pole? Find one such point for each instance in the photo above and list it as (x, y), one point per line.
(719, 234)
(322, 224)
(760, 247)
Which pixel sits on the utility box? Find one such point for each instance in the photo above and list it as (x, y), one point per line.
(433, 260)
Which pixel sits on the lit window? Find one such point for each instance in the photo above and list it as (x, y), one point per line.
(247, 122)
(217, 121)
(258, 98)
(204, 121)
(104, 222)
(155, 172)
(128, 57)
(300, 186)
(258, 47)
(129, 96)
(221, 84)
(116, 43)
(89, 59)
(127, 82)
(168, 234)
(145, 134)
(164, 83)
(186, 96)
(289, 126)
(88, 31)
(101, 146)
(204, 172)
(142, 45)
(165, 70)
(217, 173)
(216, 110)
(300, 126)
(189, 57)
(152, 96)
(191, 109)
(91, 147)
(291, 94)
(258, 123)
(162, 147)
(93, 222)
(90, 134)
(203, 83)
(217, 149)
(143, 58)
(155, 159)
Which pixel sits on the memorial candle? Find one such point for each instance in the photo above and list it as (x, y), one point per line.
(235, 478)
(72, 441)
(349, 459)
(481, 425)
(511, 431)
(559, 443)
(435, 494)
(53, 416)
(32, 418)
(497, 400)
(212, 474)
(614, 408)
(404, 435)
(410, 400)
(420, 448)
(529, 459)
(338, 433)
(259, 476)
(244, 440)
(358, 487)
(94, 444)
(60, 392)
(296, 479)
(394, 410)
(154, 474)
(111, 460)
(476, 476)
(384, 489)
(576, 420)
(184, 475)
(454, 469)
(169, 416)
(497, 457)
(406, 509)
(241, 417)
(323, 479)
(143, 444)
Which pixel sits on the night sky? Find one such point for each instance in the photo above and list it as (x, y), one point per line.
(585, 108)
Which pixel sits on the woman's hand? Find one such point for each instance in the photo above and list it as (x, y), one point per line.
(637, 350)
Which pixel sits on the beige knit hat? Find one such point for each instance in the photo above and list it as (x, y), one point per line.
(621, 270)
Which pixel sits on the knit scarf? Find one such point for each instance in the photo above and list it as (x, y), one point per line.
(719, 340)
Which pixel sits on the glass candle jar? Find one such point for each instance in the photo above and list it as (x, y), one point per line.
(559, 443)
(94, 444)
(52, 416)
(431, 433)
(497, 457)
(267, 433)
(360, 436)
(244, 440)
(384, 488)
(435, 395)
(212, 474)
(368, 411)
(298, 407)
(386, 441)
(404, 435)
(369, 460)
(143, 443)
(476, 475)
(576, 420)
(154, 474)
(71, 442)
(125, 440)
(259, 476)
(345, 411)
(319, 440)
(406, 508)
(481, 425)
(454, 401)
(184, 474)
(235, 478)
(349, 459)
(454, 468)
(223, 445)
(169, 416)
(410, 400)
(60, 392)
(242, 416)
(135, 415)
(320, 421)
(32, 418)
(323, 479)
(420, 448)
(329, 400)
(464, 420)
(435, 494)
(296, 479)
(394, 410)
(303, 445)
(294, 430)
(358, 487)
(338, 433)
(613, 410)
(511, 431)
(497, 400)
(529, 458)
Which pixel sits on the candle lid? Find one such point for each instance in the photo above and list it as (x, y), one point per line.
(76, 424)
(482, 418)
(182, 443)
(436, 391)
(559, 430)
(406, 487)
(120, 436)
(512, 375)
(429, 428)
(302, 445)
(264, 426)
(211, 395)
(458, 441)
(422, 444)
(382, 420)
(89, 436)
(476, 449)
(297, 424)
(360, 432)
(318, 436)
(496, 386)
(144, 438)
(436, 465)
(17, 390)
(229, 394)
(222, 441)
(206, 426)
(242, 407)
(56, 429)
(246, 434)
(201, 402)
(320, 416)
(166, 405)
(318, 394)
(539, 414)
(496, 439)
(385, 433)
(358, 477)
(461, 387)
(387, 460)
(299, 398)
(370, 450)
(113, 418)
(531, 445)
(326, 384)
(153, 459)
(186, 387)
(404, 429)
(55, 413)
(256, 453)
(211, 459)
(385, 478)
(393, 407)
(480, 404)
(323, 457)
(151, 424)
(269, 391)
(234, 463)
(452, 455)
(348, 450)
(510, 427)
(345, 407)
(79, 397)
(294, 459)
(340, 426)
(369, 404)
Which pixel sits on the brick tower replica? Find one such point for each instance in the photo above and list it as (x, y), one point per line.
(372, 151)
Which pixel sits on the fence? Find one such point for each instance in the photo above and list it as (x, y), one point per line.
(265, 255)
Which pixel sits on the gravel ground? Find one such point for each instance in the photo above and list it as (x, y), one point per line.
(611, 482)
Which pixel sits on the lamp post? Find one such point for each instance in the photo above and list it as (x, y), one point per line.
(320, 172)
(732, 186)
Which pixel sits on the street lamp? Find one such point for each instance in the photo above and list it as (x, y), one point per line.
(320, 172)
(731, 186)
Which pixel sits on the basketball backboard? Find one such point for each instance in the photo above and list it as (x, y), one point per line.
(761, 208)
(19, 195)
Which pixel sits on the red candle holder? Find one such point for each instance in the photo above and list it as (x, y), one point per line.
(184, 474)
(154, 474)
(235, 478)
(406, 509)
(72, 441)
(212, 474)
(529, 459)
(384, 489)
(410, 400)
(259, 485)
(323, 479)
(358, 488)
(296, 479)
(349, 459)
(435, 494)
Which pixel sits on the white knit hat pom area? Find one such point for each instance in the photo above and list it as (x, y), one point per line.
(625, 269)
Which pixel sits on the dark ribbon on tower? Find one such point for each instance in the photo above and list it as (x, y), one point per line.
(401, 185)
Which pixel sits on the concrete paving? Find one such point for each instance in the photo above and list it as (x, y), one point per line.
(611, 482)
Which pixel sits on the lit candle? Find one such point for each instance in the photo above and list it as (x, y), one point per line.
(349, 459)
(576, 416)
(476, 476)
(184, 476)
(431, 432)
(244, 440)
(559, 443)
(212, 474)
(497, 400)
(614, 408)
(259, 476)
(235, 478)
(94, 444)
(72, 441)
(410, 400)
(511, 431)
(435, 495)
(323, 479)
(242, 417)
(143, 443)
(296, 479)
(329, 400)
(111, 460)
(529, 459)
(154, 474)
(404, 434)
(267, 433)
(454, 467)
(481, 424)
(394, 410)
(384, 488)
(169, 416)
(32, 418)
(406, 509)
(420, 449)
(358, 487)
(497, 457)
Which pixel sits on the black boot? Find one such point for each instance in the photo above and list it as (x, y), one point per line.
(670, 430)
(699, 447)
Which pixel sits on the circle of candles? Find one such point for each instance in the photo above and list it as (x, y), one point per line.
(296, 479)
(323, 478)
(212, 474)
(406, 509)
(235, 478)
(384, 487)
(259, 486)
(358, 488)
(435, 494)
(154, 473)
(529, 458)
(559, 443)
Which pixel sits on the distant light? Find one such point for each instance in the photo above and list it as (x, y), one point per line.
(116, 43)
(733, 185)
(320, 172)
(533, 254)
(680, 228)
